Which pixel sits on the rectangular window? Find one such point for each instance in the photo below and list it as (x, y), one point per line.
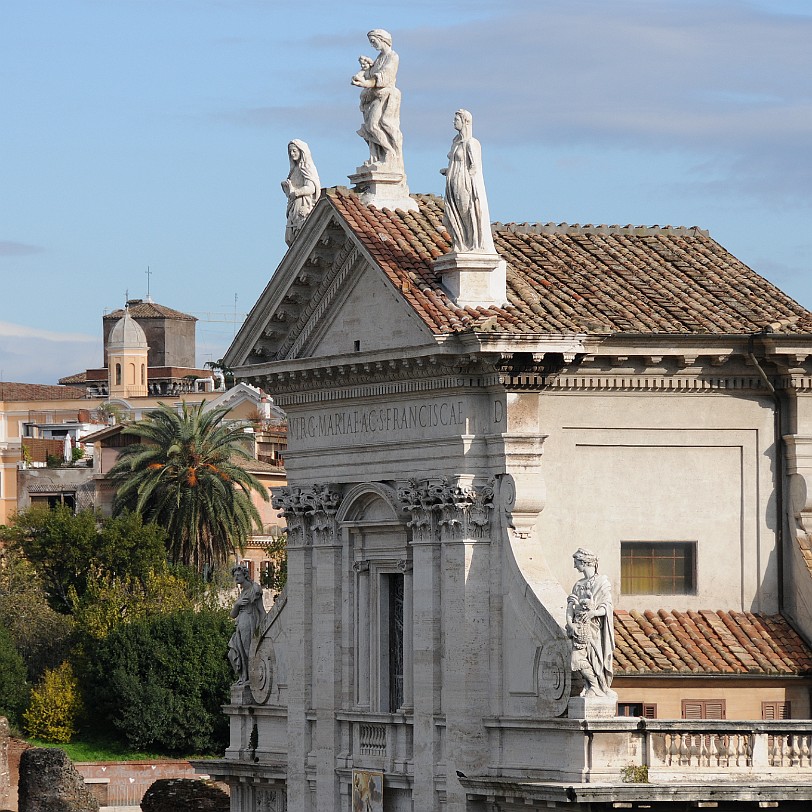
(645, 709)
(776, 710)
(658, 567)
(266, 573)
(392, 641)
(703, 709)
(249, 565)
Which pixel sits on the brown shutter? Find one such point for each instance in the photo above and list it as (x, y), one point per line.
(649, 711)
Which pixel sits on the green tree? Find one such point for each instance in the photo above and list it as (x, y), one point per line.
(160, 681)
(13, 687)
(59, 545)
(185, 474)
(277, 551)
(67, 550)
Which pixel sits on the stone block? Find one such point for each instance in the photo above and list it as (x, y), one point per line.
(50, 783)
(593, 707)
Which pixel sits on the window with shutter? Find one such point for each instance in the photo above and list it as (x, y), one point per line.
(703, 709)
(645, 709)
(771, 711)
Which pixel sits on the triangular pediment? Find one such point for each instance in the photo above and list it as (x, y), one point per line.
(327, 297)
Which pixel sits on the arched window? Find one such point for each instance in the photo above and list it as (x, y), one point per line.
(131, 374)
(118, 374)
(143, 375)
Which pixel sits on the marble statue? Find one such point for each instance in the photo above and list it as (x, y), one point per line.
(380, 104)
(302, 187)
(248, 611)
(466, 206)
(589, 625)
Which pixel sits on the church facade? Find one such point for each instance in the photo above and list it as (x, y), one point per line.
(635, 391)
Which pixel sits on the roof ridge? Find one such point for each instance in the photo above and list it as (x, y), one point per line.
(588, 228)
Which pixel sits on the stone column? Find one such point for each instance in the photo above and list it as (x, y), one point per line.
(408, 633)
(464, 521)
(417, 499)
(362, 632)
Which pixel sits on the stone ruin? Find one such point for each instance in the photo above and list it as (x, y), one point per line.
(50, 783)
(184, 795)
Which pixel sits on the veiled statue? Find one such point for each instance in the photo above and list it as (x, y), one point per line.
(590, 625)
(466, 205)
(380, 104)
(302, 187)
(248, 612)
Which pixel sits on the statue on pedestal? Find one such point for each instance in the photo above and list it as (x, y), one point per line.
(466, 205)
(248, 611)
(380, 104)
(590, 626)
(302, 187)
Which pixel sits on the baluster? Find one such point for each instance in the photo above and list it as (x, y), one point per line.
(671, 749)
(794, 750)
(684, 749)
(804, 750)
(705, 751)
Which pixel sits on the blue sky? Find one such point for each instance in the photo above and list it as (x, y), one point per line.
(152, 133)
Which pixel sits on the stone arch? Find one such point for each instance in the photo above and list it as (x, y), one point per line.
(371, 503)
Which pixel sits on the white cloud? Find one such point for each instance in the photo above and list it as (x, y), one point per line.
(10, 330)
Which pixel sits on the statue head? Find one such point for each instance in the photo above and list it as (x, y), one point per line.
(586, 556)
(298, 152)
(381, 35)
(464, 123)
(243, 570)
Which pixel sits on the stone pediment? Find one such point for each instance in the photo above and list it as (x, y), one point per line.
(327, 297)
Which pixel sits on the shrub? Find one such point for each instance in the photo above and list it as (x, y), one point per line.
(13, 687)
(55, 706)
(42, 636)
(160, 681)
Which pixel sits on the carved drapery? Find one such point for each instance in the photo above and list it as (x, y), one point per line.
(442, 506)
(310, 513)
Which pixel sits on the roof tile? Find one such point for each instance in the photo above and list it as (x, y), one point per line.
(708, 642)
(561, 278)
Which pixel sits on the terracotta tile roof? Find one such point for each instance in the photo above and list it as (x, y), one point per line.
(706, 642)
(79, 377)
(561, 278)
(141, 309)
(37, 391)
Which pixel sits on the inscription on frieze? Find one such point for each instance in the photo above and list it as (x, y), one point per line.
(408, 420)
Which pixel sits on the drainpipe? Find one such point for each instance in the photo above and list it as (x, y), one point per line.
(780, 465)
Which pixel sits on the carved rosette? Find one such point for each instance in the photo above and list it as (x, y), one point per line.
(310, 513)
(455, 511)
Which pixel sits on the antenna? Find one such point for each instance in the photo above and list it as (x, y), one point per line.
(149, 274)
(235, 314)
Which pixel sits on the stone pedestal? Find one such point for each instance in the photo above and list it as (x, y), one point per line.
(474, 279)
(241, 694)
(593, 707)
(382, 188)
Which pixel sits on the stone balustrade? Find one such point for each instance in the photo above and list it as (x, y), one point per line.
(376, 741)
(670, 750)
(750, 747)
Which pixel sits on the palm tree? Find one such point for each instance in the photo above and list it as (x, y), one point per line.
(185, 474)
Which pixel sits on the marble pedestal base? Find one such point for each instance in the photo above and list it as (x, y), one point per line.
(474, 279)
(241, 694)
(593, 707)
(382, 189)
